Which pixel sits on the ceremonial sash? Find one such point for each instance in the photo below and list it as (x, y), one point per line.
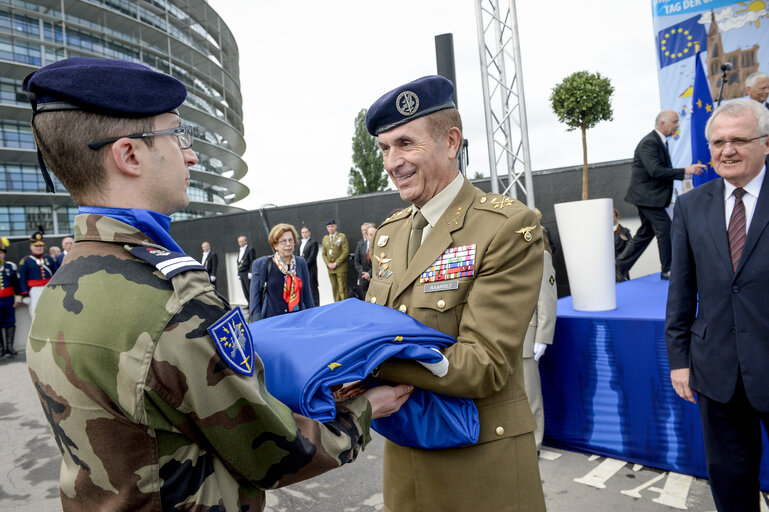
(307, 352)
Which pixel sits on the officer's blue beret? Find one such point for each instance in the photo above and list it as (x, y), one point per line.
(103, 86)
(332, 221)
(405, 103)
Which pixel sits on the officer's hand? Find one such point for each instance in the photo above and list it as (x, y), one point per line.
(539, 350)
(213, 279)
(249, 275)
(695, 169)
(386, 400)
(25, 300)
(680, 380)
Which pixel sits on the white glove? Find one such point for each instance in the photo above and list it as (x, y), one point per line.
(440, 368)
(249, 275)
(539, 350)
(213, 279)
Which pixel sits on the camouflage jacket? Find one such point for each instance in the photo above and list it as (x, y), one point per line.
(145, 412)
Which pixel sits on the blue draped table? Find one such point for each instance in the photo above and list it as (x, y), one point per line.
(606, 386)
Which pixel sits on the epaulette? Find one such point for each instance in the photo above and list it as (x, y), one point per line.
(498, 203)
(170, 263)
(398, 215)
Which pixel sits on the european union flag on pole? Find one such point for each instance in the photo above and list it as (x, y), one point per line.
(702, 107)
(678, 42)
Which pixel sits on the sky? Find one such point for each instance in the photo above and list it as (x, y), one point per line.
(307, 68)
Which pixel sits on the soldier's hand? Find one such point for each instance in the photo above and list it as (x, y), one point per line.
(386, 400)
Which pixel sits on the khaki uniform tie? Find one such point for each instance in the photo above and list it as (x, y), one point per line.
(418, 223)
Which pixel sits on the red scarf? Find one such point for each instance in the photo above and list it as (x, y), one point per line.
(292, 286)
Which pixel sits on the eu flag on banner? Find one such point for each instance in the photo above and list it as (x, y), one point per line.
(702, 107)
(677, 42)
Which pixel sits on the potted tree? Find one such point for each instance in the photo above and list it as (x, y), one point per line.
(582, 100)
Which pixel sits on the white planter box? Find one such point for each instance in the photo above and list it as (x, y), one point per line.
(587, 239)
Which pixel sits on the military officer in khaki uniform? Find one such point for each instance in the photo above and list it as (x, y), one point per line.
(335, 253)
(538, 336)
(468, 264)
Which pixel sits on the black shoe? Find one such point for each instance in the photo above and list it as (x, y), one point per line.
(665, 276)
(620, 275)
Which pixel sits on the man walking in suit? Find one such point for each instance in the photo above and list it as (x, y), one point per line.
(717, 314)
(309, 251)
(362, 259)
(335, 253)
(246, 257)
(470, 265)
(211, 261)
(650, 189)
(757, 87)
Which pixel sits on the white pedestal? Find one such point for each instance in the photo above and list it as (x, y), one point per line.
(585, 229)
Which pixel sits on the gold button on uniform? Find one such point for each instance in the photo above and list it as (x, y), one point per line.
(483, 199)
(500, 431)
(403, 308)
(441, 303)
(373, 300)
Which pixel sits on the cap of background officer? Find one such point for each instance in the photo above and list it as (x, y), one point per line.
(332, 221)
(102, 86)
(408, 102)
(37, 238)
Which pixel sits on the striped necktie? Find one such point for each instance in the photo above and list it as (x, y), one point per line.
(737, 227)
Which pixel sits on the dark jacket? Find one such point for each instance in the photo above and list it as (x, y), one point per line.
(259, 272)
(244, 265)
(310, 255)
(651, 179)
(726, 335)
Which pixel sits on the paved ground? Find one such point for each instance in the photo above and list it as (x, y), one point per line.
(29, 465)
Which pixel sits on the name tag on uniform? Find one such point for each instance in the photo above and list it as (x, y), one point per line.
(441, 287)
(455, 262)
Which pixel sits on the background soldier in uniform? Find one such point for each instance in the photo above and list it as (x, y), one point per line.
(35, 270)
(149, 411)
(335, 252)
(468, 264)
(9, 288)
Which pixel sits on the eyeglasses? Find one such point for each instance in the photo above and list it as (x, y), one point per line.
(286, 242)
(737, 142)
(183, 137)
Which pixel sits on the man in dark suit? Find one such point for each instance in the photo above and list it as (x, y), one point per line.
(309, 251)
(211, 261)
(362, 260)
(650, 189)
(246, 257)
(717, 314)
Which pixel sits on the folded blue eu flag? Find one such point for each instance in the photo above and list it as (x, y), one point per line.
(307, 352)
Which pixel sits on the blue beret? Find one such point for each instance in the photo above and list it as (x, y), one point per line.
(103, 86)
(405, 103)
(332, 221)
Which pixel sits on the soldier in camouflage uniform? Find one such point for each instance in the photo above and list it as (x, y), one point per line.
(150, 412)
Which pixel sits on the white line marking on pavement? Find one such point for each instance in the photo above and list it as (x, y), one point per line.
(675, 491)
(636, 492)
(638, 467)
(593, 457)
(547, 455)
(601, 473)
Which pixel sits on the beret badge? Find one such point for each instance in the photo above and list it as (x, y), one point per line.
(407, 103)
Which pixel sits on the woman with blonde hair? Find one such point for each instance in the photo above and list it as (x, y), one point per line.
(280, 283)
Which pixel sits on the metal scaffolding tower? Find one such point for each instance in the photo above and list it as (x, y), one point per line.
(503, 100)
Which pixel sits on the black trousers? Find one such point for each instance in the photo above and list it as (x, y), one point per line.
(655, 222)
(245, 282)
(732, 434)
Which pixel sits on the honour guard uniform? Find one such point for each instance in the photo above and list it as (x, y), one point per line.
(336, 249)
(9, 288)
(35, 270)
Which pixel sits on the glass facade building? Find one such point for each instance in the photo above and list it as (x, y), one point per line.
(183, 38)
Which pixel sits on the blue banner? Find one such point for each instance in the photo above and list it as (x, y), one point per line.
(728, 32)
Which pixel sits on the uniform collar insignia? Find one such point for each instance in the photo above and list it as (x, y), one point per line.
(234, 342)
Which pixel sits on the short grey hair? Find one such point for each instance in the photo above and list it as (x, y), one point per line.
(736, 108)
(662, 116)
(754, 77)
